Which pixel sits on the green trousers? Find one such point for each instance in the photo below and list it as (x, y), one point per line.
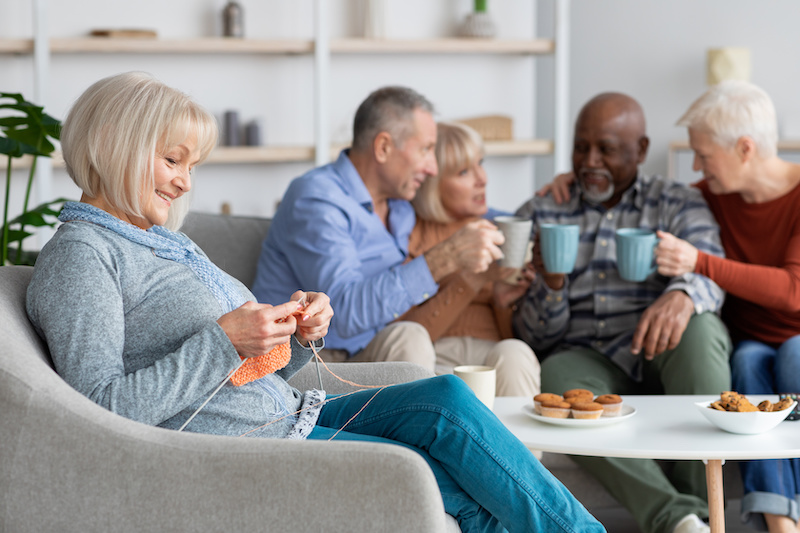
(658, 498)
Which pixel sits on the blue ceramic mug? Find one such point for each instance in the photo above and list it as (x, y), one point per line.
(559, 247)
(636, 253)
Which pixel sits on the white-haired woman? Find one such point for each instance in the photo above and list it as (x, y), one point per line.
(139, 320)
(755, 197)
(469, 319)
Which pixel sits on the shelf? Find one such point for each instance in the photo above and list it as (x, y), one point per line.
(226, 155)
(519, 147)
(443, 46)
(260, 154)
(16, 46)
(285, 46)
(788, 146)
(181, 46)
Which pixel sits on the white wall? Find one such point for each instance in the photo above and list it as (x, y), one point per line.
(279, 89)
(652, 50)
(656, 52)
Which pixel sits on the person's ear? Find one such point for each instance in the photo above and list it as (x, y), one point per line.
(644, 144)
(745, 148)
(382, 146)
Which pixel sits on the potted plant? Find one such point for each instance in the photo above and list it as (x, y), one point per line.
(479, 23)
(27, 130)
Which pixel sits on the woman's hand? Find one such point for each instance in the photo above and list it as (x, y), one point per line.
(255, 329)
(505, 293)
(314, 319)
(674, 256)
(559, 188)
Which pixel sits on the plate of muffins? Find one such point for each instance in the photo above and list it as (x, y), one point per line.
(579, 408)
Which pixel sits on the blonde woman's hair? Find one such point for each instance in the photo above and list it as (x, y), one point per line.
(457, 147)
(733, 109)
(116, 128)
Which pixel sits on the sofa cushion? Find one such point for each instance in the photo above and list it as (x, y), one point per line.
(233, 243)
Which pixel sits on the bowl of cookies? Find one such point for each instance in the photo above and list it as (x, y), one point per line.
(734, 413)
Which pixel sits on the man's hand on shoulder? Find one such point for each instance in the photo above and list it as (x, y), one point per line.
(662, 324)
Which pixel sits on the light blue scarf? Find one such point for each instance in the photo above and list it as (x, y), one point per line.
(165, 244)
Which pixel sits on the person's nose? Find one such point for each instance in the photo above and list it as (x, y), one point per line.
(431, 167)
(594, 158)
(480, 175)
(183, 180)
(696, 165)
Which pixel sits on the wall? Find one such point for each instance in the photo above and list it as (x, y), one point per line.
(278, 90)
(656, 52)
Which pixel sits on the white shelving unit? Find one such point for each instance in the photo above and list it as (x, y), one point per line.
(321, 48)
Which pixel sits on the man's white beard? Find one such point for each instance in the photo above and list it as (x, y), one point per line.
(595, 195)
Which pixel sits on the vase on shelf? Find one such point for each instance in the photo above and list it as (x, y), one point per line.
(374, 19)
(479, 23)
(233, 20)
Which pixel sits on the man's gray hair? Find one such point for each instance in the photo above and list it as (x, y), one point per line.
(388, 109)
(733, 109)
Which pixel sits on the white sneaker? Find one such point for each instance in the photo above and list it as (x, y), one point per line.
(691, 523)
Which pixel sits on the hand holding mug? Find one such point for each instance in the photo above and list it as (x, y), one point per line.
(674, 256)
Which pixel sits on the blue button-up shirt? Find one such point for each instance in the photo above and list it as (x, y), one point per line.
(596, 308)
(326, 237)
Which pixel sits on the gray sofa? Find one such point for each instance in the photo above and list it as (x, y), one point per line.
(67, 464)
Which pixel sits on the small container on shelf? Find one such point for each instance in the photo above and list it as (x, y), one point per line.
(252, 133)
(233, 20)
(231, 129)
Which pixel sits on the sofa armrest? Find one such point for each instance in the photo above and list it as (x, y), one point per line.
(78, 467)
(388, 373)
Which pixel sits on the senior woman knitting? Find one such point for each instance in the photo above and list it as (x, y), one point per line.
(140, 321)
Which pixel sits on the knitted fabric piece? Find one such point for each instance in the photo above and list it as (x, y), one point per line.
(258, 367)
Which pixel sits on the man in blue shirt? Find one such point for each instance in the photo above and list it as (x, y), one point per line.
(343, 229)
(609, 335)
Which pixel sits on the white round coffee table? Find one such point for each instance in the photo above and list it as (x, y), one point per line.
(663, 427)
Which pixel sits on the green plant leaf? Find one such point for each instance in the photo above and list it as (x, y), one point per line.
(14, 234)
(12, 122)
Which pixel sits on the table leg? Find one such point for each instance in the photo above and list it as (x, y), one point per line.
(716, 500)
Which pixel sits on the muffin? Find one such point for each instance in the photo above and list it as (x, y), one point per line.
(539, 398)
(572, 400)
(587, 410)
(555, 408)
(581, 393)
(612, 404)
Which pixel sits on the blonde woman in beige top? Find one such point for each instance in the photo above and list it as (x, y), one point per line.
(469, 319)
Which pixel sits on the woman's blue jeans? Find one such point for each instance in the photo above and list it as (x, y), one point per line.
(773, 485)
(489, 480)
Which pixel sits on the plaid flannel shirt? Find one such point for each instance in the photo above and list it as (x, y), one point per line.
(596, 308)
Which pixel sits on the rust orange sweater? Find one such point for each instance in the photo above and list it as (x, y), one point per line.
(761, 273)
(459, 308)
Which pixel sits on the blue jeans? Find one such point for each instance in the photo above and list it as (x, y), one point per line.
(489, 480)
(773, 485)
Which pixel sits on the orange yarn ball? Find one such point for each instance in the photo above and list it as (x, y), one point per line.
(258, 367)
